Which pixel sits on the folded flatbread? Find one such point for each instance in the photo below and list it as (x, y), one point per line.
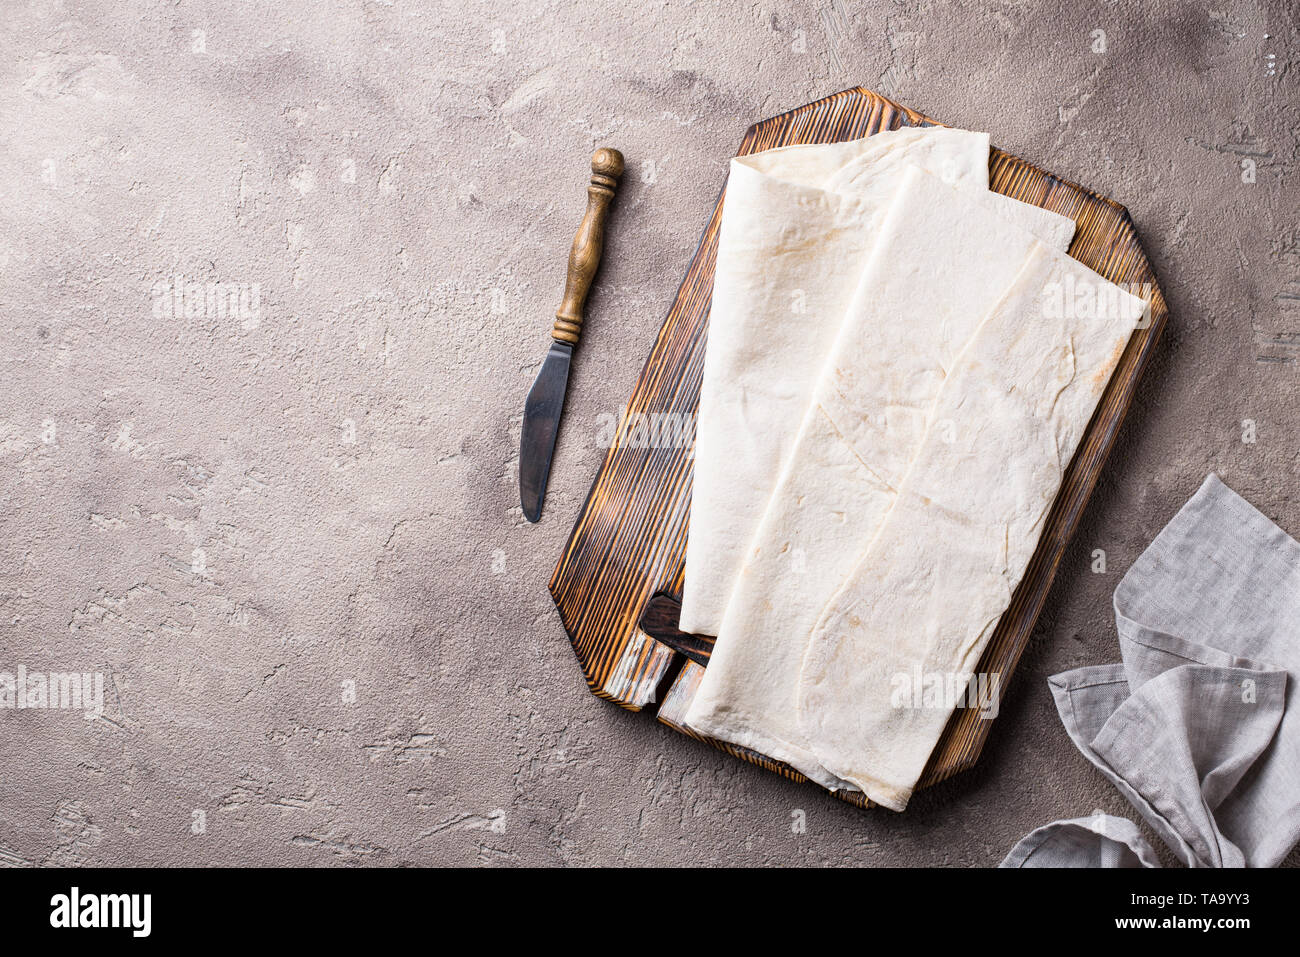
(943, 260)
(928, 592)
(797, 226)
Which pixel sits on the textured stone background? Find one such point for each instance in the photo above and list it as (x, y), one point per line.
(232, 517)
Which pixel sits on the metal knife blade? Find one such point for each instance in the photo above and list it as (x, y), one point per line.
(546, 398)
(542, 411)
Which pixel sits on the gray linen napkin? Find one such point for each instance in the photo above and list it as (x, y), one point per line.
(1097, 841)
(1194, 727)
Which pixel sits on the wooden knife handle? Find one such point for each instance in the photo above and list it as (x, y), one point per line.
(584, 257)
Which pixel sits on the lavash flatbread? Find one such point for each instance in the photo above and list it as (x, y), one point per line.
(944, 259)
(927, 594)
(797, 226)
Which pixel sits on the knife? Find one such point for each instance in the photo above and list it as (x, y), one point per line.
(546, 398)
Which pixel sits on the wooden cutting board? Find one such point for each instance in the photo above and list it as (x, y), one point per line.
(628, 545)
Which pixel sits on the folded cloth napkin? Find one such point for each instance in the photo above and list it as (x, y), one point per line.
(1199, 727)
(1097, 841)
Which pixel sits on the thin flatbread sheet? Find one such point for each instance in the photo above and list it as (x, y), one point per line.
(944, 259)
(923, 600)
(797, 226)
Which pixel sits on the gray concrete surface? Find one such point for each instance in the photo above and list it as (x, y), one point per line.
(247, 518)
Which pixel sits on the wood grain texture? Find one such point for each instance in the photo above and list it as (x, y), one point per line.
(629, 540)
(588, 244)
(659, 620)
